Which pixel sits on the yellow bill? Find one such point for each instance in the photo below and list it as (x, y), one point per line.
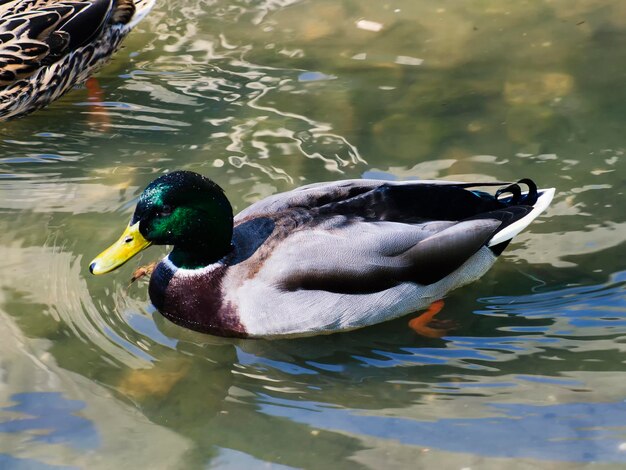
(129, 244)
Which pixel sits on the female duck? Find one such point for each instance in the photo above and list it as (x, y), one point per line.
(48, 46)
(323, 258)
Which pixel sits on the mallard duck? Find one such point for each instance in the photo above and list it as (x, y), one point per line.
(48, 46)
(322, 258)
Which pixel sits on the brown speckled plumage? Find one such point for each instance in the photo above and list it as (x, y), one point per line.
(48, 46)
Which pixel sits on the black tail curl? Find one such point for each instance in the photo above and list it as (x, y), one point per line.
(516, 198)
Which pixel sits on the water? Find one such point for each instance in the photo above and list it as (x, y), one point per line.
(264, 96)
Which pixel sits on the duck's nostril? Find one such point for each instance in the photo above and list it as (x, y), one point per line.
(128, 239)
(91, 267)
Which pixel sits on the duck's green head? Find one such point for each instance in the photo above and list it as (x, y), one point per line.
(183, 209)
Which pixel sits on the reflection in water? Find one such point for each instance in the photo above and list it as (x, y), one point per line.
(575, 432)
(50, 418)
(264, 96)
(13, 463)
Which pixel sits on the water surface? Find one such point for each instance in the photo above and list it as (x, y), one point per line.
(264, 96)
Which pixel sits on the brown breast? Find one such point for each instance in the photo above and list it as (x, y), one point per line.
(195, 302)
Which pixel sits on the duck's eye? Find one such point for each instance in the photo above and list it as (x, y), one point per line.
(165, 211)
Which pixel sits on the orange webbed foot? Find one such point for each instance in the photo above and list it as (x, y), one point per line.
(424, 325)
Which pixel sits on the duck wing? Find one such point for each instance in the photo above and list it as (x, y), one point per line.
(381, 198)
(368, 236)
(358, 257)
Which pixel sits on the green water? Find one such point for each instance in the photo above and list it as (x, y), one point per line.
(263, 96)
